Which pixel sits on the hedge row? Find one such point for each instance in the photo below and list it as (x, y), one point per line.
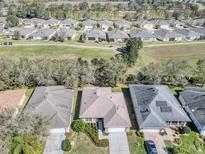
(91, 131)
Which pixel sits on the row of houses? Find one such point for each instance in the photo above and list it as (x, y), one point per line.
(147, 36)
(112, 36)
(41, 34)
(104, 25)
(155, 107)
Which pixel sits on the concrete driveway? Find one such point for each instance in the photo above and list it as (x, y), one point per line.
(54, 144)
(158, 140)
(118, 143)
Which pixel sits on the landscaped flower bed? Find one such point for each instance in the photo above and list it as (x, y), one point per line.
(91, 131)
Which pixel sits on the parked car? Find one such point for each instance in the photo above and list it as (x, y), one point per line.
(150, 147)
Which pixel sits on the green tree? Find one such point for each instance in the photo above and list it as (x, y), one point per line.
(78, 125)
(12, 21)
(133, 46)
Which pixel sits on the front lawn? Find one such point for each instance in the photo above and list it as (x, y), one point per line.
(81, 144)
(136, 143)
(190, 144)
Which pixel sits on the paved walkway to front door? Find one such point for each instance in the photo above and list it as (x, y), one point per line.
(118, 143)
(54, 144)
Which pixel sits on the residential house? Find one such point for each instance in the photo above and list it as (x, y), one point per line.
(51, 23)
(53, 103)
(43, 34)
(139, 23)
(123, 25)
(176, 23)
(152, 24)
(201, 31)
(168, 35)
(142, 35)
(195, 22)
(25, 33)
(89, 24)
(27, 23)
(68, 23)
(95, 35)
(117, 36)
(189, 34)
(68, 34)
(100, 104)
(37, 22)
(12, 99)
(105, 24)
(156, 108)
(193, 101)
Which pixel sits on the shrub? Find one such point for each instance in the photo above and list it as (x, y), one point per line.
(91, 131)
(177, 141)
(185, 130)
(174, 150)
(140, 134)
(197, 145)
(66, 145)
(78, 125)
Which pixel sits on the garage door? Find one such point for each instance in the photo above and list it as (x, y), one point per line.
(116, 130)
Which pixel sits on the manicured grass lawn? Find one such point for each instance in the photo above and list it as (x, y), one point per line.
(188, 144)
(189, 52)
(81, 144)
(136, 144)
(54, 52)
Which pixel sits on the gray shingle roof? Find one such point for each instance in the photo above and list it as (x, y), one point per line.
(117, 35)
(199, 30)
(43, 32)
(188, 33)
(96, 34)
(68, 22)
(154, 105)
(52, 22)
(194, 99)
(139, 22)
(163, 34)
(89, 22)
(67, 32)
(37, 21)
(53, 103)
(26, 31)
(106, 23)
(123, 23)
(100, 102)
(195, 22)
(141, 34)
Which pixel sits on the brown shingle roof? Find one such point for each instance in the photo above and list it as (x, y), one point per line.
(11, 98)
(100, 102)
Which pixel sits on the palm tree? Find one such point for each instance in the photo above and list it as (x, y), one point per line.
(25, 144)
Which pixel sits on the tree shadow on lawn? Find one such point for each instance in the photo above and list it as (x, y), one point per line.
(77, 105)
(130, 108)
